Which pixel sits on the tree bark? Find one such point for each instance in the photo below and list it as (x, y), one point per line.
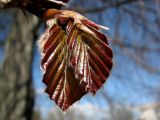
(16, 88)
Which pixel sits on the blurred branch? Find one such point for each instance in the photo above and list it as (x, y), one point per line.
(148, 106)
(141, 62)
(2, 43)
(140, 20)
(135, 47)
(105, 6)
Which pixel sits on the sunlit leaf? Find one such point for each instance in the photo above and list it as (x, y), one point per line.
(76, 60)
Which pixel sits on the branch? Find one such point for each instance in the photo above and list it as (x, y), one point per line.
(105, 6)
(135, 47)
(140, 61)
(141, 21)
(2, 43)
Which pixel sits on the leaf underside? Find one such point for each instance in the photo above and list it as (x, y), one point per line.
(76, 60)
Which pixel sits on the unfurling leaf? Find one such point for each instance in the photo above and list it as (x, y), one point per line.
(76, 58)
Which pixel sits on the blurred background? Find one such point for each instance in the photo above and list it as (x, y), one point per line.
(132, 91)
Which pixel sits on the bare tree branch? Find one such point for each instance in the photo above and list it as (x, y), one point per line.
(105, 6)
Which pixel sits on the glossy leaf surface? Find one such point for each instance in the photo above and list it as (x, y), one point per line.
(76, 60)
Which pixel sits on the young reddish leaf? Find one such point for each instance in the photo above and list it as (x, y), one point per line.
(76, 58)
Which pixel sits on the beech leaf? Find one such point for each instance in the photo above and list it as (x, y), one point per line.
(76, 59)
